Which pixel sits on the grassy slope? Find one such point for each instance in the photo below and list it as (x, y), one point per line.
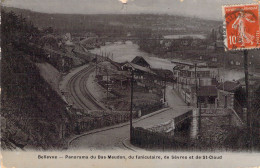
(32, 109)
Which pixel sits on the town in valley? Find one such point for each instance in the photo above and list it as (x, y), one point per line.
(156, 82)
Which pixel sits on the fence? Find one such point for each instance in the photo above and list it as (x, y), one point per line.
(239, 110)
(148, 139)
(147, 109)
(162, 135)
(219, 129)
(79, 124)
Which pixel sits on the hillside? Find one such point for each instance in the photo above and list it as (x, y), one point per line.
(51, 75)
(117, 24)
(31, 110)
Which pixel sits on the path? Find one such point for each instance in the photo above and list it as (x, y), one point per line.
(112, 138)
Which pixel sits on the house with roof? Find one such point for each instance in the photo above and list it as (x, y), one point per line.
(226, 93)
(139, 60)
(121, 79)
(176, 73)
(119, 65)
(187, 79)
(105, 71)
(189, 63)
(140, 72)
(206, 96)
(109, 74)
(162, 75)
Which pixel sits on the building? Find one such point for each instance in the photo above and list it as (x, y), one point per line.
(176, 71)
(140, 72)
(138, 60)
(162, 75)
(206, 96)
(105, 70)
(189, 63)
(226, 93)
(188, 78)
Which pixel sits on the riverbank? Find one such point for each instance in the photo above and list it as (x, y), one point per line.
(121, 52)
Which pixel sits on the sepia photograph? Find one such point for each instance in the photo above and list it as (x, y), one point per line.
(157, 76)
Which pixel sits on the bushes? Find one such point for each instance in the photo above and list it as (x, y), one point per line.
(33, 111)
(148, 139)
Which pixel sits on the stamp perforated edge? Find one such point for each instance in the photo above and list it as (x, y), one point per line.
(225, 30)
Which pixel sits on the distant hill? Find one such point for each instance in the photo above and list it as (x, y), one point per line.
(100, 23)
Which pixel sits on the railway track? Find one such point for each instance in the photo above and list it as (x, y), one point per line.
(79, 92)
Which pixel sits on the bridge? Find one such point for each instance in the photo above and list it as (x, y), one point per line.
(192, 118)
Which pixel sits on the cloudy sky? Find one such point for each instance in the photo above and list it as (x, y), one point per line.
(210, 9)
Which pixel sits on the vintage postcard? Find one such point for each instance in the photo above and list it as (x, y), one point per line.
(130, 83)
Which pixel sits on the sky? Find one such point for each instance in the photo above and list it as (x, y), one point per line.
(208, 9)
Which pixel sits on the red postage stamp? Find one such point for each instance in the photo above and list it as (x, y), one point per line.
(241, 26)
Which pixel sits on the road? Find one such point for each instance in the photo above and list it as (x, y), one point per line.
(111, 138)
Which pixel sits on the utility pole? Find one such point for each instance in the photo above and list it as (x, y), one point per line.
(131, 105)
(186, 83)
(96, 64)
(164, 97)
(173, 79)
(247, 85)
(248, 99)
(178, 73)
(198, 104)
(107, 85)
(196, 84)
(225, 94)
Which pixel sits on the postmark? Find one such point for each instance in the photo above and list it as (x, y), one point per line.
(241, 27)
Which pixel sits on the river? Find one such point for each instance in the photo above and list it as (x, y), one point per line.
(180, 36)
(121, 52)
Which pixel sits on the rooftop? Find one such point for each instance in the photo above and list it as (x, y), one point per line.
(197, 69)
(206, 91)
(163, 72)
(178, 67)
(138, 67)
(229, 86)
(188, 62)
(140, 61)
